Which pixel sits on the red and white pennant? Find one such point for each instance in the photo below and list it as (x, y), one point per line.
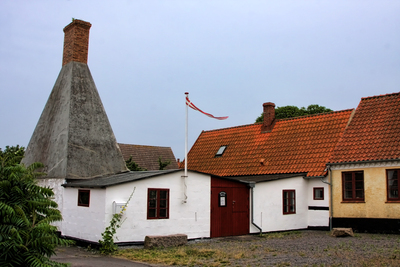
(191, 105)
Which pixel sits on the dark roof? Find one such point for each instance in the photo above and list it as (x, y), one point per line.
(296, 145)
(373, 133)
(126, 177)
(147, 156)
(265, 177)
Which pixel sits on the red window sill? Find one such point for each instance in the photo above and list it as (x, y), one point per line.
(393, 201)
(353, 201)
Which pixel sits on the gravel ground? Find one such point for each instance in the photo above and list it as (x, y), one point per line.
(306, 248)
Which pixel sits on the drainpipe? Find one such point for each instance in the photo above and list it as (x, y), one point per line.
(252, 185)
(331, 206)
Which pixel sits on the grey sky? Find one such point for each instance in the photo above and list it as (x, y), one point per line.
(231, 56)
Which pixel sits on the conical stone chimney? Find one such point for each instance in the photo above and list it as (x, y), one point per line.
(73, 137)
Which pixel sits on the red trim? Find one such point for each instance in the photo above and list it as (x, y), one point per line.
(353, 188)
(289, 208)
(159, 211)
(318, 188)
(393, 199)
(80, 203)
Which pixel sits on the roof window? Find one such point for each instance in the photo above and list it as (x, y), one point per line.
(221, 151)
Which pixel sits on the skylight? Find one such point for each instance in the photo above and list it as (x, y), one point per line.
(220, 151)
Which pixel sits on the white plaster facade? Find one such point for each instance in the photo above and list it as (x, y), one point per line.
(191, 218)
(55, 185)
(268, 205)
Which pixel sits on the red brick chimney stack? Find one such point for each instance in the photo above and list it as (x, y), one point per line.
(269, 117)
(76, 41)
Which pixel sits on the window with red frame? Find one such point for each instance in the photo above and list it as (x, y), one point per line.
(318, 193)
(83, 198)
(392, 178)
(289, 201)
(353, 186)
(158, 203)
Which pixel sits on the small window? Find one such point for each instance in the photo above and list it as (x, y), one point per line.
(222, 199)
(221, 151)
(353, 186)
(158, 204)
(392, 178)
(83, 198)
(318, 193)
(289, 201)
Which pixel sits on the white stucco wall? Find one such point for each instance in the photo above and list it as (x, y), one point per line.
(191, 218)
(318, 218)
(268, 205)
(55, 184)
(86, 223)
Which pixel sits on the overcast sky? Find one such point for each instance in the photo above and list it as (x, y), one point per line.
(231, 56)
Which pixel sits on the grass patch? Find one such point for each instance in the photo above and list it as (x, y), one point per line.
(184, 255)
(279, 235)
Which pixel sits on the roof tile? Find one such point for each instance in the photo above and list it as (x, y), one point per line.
(147, 156)
(374, 131)
(295, 145)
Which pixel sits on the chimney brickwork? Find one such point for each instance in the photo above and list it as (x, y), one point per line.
(76, 41)
(269, 117)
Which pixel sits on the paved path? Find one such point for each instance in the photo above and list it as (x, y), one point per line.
(80, 257)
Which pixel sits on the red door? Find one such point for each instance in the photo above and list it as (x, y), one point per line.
(229, 208)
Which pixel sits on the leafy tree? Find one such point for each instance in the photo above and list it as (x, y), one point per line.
(163, 164)
(26, 212)
(11, 155)
(133, 166)
(293, 111)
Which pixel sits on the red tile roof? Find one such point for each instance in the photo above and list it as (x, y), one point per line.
(296, 145)
(147, 156)
(374, 131)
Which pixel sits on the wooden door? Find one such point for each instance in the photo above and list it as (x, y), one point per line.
(229, 208)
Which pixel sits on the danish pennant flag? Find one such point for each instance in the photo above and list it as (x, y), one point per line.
(191, 105)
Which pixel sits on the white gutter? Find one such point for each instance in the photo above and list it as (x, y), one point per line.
(252, 185)
(331, 206)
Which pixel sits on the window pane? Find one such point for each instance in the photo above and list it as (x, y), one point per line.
(318, 193)
(83, 198)
(152, 213)
(289, 201)
(163, 203)
(292, 202)
(353, 185)
(163, 194)
(153, 194)
(348, 177)
(152, 203)
(393, 184)
(348, 186)
(157, 206)
(163, 213)
(359, 184)
(348, 194)
(359, 176)
(393, 193)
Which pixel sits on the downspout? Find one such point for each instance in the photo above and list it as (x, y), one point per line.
(252, 185)
(328, 168)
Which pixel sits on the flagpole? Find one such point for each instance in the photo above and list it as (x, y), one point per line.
(186, 135)
(186, 152)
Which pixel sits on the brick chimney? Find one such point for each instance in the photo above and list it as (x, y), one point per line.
(269, 117)
(76, 41)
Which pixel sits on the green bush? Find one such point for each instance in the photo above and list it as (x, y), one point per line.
(27, 210)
